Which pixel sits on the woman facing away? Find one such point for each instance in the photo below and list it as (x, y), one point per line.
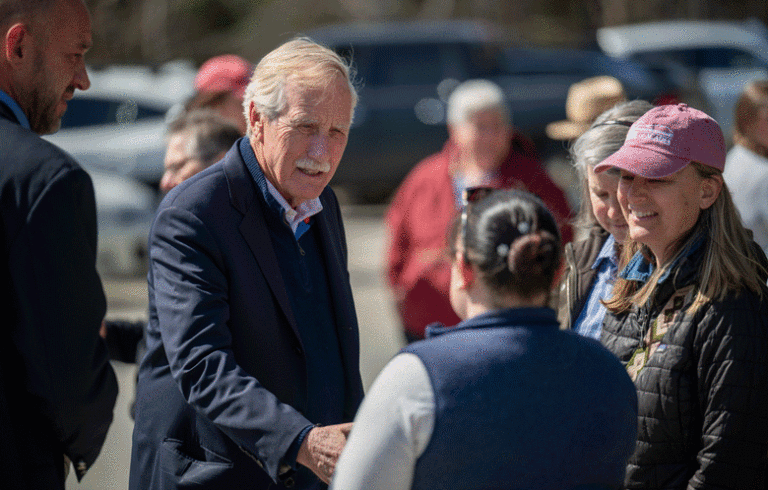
(591, 263)
(688, 314)
(505, 399)
(746, 165)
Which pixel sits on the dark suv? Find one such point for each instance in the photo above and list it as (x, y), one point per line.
(407, 70)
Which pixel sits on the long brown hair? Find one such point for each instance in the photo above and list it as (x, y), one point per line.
(731, 262)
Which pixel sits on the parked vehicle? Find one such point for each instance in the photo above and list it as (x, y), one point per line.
(118, 125)
(116, 130)
(715, 57)
(407, 70)
(125, 209)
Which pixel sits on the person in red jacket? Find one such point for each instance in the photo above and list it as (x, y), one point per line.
(483, 149)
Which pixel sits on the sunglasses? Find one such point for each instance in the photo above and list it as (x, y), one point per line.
(468, 196)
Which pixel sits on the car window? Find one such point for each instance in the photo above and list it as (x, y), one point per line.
(85, 111)
(702, 58)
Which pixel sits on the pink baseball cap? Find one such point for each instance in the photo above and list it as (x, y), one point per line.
(227, 72)
(666, 139)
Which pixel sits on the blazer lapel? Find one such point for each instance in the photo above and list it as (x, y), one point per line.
(242, 192)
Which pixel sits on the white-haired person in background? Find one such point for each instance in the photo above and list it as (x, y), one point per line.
(483, 149)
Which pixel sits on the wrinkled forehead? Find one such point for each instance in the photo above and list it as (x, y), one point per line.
(306, 95)
(322, 77)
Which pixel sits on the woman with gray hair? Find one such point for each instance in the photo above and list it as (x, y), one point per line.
(483, 149)
(592, 262)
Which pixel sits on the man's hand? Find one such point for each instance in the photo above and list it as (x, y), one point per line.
(321, 449)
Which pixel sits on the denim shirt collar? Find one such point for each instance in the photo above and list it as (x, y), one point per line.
(607, 253)
(639, 269)
(298, 219)
(16, 109)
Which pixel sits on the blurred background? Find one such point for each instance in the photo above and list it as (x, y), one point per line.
(409, 55)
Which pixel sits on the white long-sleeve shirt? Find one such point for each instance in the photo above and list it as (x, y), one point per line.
(392, 429)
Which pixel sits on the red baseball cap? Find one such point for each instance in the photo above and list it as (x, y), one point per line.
(227, 72)
(666, 139)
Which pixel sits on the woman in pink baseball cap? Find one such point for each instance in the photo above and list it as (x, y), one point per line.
(689, 311)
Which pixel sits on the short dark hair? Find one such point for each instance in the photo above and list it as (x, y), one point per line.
(209, 134)
(514, 241)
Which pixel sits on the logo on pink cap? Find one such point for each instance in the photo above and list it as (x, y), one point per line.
(666, 139)
(661, 134)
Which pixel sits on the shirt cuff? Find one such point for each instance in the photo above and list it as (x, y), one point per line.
(289, 459)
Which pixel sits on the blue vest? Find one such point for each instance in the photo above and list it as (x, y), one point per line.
(522, 404)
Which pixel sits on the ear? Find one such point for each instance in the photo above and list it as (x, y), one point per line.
(710, 190)
(17, 42)
(255, 121)
(467, 273)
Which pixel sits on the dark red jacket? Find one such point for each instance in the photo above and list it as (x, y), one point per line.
(418, 222)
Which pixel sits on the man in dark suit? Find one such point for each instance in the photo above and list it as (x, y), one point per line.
(251, 375)
(57, 388)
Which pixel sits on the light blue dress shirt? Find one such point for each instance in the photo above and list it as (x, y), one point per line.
(14, 106)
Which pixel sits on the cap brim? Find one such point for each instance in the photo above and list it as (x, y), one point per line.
(643, 162)
(566, 130)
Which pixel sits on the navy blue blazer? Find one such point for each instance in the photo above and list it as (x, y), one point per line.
(223, 385)
(57, 388)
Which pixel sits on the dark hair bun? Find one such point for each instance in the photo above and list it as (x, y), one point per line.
(533, 255)
(514, 240)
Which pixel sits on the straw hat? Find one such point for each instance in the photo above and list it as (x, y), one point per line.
(586, 100)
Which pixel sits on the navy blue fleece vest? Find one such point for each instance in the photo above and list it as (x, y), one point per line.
(521, 404)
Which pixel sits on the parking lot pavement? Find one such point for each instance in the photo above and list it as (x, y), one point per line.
(380, 336)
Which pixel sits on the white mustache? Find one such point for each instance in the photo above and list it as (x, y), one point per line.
(312, 165)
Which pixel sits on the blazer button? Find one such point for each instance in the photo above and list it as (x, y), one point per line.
(289, 482)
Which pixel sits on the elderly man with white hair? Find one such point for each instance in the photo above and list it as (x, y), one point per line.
(251, 376)
(483, 149)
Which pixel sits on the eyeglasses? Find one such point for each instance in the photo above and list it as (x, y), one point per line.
(468, 196)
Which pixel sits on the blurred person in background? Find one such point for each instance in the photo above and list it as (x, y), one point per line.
(57, 388)
(689, 310)
(504, 399)
(251, 377)
(196, 140)
(585, 100)
(746, 165)
(591, 263)
(483, 149)
(220, 85)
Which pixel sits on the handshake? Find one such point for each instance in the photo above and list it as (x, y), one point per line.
(322, 447)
